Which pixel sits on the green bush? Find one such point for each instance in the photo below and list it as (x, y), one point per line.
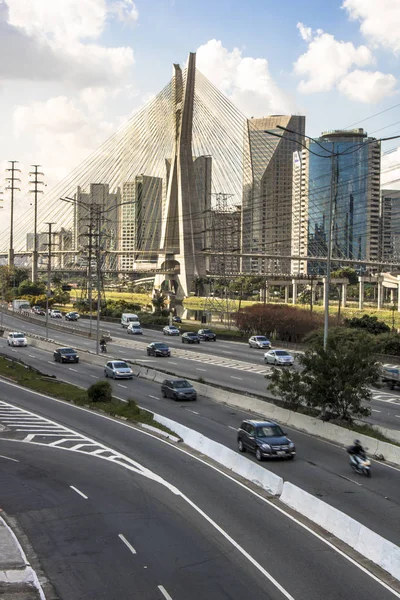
(388, 343)
(152, 319)
(368, 323)
(101, 391)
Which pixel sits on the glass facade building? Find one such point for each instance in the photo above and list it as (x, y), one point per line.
(337, 177)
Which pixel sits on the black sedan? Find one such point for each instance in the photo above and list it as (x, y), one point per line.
(72, 316)
(207, 335)
(190, 337)
(158, 349)
(62, 355)
(176, 319)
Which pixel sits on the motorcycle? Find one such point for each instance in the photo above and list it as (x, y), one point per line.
(103, 348)
(361, 465)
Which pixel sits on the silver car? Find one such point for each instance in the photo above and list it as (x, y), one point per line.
(171, 330)
(259, 341)
(278, 357)
(16, 339)
(118, 369)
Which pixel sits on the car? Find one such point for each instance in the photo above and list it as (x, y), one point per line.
(171, 330)
(178, 389)
(278, 357)
(266, 439)
(62, 355)
(118, 369)
(72, 316)
(134, 329)
(158, 349)
(190, 337)
(17, 338)
(38, 310)
(176, 319)
(55, 314)
(207, 335)
(259, 341)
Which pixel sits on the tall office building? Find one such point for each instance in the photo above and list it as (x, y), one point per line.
(97, 209)
(346, 187)
(140, 226)
(225, 236)
(390, 227)
(267, 192)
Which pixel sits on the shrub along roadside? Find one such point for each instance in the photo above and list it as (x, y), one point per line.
(46, 384)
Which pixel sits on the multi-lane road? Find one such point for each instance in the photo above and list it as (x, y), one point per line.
(225, 363)
(321, 468)
(114, 512)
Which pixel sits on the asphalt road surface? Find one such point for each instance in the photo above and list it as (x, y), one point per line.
(320, 467)
(158, 523)
(230, 364)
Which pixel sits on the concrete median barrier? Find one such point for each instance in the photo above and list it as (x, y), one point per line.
(348, 530)
(225, 456)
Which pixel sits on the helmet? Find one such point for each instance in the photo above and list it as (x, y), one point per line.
(357, 443)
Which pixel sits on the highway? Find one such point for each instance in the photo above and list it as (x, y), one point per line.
(321, 468)
(159, 524)
(226, 363)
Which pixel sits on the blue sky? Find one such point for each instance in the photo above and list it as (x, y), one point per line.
(71, 74)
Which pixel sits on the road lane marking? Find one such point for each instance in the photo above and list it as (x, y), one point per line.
(271, 504)
(171, 363)
(192, 411)
(78, 492)
(123, 386)
(154, 397)
(351, 480)
(234, 428)
(70, 368)
(164, 592)
(374, 410)
(233, 377)
(32, 355)
(8, 458)
(123, 539)
(205, 370)
(94, 376)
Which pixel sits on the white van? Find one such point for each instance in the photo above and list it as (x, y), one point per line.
(127, 318)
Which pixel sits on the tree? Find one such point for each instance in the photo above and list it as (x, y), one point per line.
(335, 380)
(368, 323)
(289, 386)
(30, 288)
(346, 273)
(159, 302)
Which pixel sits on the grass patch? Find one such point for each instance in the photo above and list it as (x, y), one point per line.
(366, 429)
(51, 386)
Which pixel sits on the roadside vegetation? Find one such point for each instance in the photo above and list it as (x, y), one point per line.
(98, 396)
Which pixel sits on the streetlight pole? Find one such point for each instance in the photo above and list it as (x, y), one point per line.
(35, 174)
(329, 248)
(98, 270)
(48, 292)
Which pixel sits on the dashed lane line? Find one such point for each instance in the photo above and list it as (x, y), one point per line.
(127, 544)
(78, 492)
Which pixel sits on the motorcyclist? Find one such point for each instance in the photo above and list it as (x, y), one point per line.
(357, 451)
(103, 344)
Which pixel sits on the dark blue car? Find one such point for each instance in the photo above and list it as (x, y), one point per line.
(265, 439)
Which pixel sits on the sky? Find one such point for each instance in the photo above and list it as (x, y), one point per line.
(73, 71)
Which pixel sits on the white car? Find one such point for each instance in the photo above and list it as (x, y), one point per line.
(134, 329)
(17, 339)
(259, 341)
(55, 314)
(118, 369)
(171, 330)
(278, 357)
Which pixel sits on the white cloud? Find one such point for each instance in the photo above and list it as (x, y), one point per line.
(64, 132)
(245, 80)
(367, 86)
(125, 11)
(380, 20)
(327, 61)
(47, 43)
(305, 32)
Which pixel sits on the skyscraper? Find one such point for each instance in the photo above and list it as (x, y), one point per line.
(350, 184)
(390, 226)
(267, 192)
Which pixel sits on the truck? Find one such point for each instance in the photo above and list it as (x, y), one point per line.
(21, 305)
(127, 318)
(390, 376)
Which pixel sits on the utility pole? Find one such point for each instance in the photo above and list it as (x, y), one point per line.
(48, 293)
(332, 201)
(35, 174)
(98, 269)
(12, 180)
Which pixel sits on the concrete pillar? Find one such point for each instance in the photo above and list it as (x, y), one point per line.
(313, 290)
(294, 292)
(286, 294)
(392, 296)
(267, 293)
(324, 294)
(380, 294)
(344, 294)
(398, 293)
(361, 293)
